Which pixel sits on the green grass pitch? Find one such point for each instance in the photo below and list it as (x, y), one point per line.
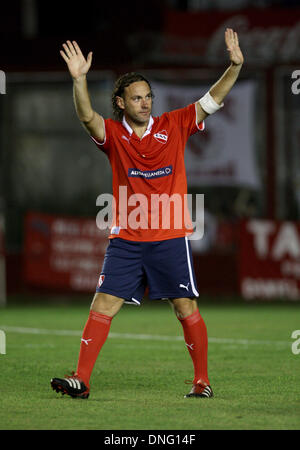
(138, 379)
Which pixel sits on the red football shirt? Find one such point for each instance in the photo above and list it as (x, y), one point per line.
(149, 179)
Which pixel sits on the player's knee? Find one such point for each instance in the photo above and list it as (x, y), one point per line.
(106, 304)
(184, 307)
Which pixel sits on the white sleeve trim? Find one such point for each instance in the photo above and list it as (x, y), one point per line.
(200, 125)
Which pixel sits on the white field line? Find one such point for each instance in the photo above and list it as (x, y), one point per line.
(143, 337)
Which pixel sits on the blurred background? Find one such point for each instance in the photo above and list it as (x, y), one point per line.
(246, 162)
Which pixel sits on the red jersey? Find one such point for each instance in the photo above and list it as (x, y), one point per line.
(149, 178)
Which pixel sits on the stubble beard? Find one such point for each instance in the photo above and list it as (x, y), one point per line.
(138, 119)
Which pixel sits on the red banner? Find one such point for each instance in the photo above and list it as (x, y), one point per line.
(63, 252)
(269, 259)
(266, 36)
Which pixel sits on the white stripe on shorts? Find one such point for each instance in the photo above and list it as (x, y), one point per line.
(133, 301)
(195, 292)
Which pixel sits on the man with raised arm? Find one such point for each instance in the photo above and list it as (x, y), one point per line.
(147, 159)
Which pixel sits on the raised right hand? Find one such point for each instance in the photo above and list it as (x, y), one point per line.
(77, 64)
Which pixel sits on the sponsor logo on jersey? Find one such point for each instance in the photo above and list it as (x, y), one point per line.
(161, 136)
(149, 174)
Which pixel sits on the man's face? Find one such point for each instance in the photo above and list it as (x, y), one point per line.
(137, 102)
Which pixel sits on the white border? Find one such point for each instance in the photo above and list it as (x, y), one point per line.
(195, 292)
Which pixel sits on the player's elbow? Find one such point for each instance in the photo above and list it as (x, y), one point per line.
(95, 127)
(87, 118)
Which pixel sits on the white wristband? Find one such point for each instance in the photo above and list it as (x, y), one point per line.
(208, 104)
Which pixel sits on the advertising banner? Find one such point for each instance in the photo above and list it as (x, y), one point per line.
(266, 36)
(269, 259)
(62, 252)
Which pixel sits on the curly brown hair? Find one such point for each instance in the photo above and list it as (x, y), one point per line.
(122, 82)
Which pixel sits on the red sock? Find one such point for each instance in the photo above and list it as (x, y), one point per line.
(195, 336)
(94, 336)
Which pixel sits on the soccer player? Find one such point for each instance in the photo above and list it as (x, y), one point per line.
(147, 159)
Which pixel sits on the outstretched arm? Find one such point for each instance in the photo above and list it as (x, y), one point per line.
(222, 87)
(78, 67)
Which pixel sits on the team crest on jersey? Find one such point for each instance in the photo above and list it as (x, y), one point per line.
(101, 279)
(161, 136)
